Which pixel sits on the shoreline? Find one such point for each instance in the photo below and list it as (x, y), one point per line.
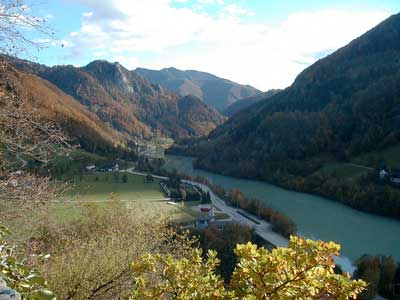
(263, 229)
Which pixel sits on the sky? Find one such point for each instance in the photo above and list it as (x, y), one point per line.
(263, 43)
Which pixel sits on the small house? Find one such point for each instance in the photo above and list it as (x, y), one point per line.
(382, 174)
(206, 208)
(90, 168)
(203, 221)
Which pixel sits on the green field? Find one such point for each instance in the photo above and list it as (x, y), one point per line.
(103, 186)
(138, 195)
(345, 171)
(390, 157)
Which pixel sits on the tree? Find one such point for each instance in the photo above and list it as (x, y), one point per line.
(303, 270)
(380, 273)
(18, 275)
(388, 274)
(24, 132)
(368, 269)
(91, 257)
(149, 178)
(124, 178)
(15, 20)
(224, 242)
(183, 194)
(25, 135)
(116, 176)
(206, 198)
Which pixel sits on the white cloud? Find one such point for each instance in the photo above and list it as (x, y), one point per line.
(130, 62)
(235, 9)
(87, 14)
(259, 54)
(219, 2)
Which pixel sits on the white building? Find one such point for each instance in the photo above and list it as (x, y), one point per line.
(383, 174)
(90, 168)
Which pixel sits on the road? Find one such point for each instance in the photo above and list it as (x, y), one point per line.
(23, 161)
(361, 166)
(263, 229)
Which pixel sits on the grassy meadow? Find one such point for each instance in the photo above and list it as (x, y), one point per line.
(101, 189)
(346, 171)
(389, 156)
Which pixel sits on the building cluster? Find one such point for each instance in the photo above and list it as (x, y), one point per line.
(390, 175)
(208, 220)
(106, 168)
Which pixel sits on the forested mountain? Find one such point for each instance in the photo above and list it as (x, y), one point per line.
(128, 102)
(343, 105)
(54, 105)
(247, 102)
(215, 91)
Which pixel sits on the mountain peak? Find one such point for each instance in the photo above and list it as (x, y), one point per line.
(102, 64)
(214, 91)
(128, 103)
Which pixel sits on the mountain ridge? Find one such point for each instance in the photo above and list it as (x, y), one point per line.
(244, 103)
(124, 99)
(213, 90)
(55, 105)
(343, 105)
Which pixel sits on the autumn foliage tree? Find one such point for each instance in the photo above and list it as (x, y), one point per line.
(23, 134)
(303, 270)
(23, 130)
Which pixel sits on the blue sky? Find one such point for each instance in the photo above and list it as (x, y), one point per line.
(259, 42)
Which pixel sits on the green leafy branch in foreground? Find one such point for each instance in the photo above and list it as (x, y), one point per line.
(303, 270)
(19, 276)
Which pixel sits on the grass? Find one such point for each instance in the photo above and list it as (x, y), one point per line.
(345, 171)
(221, 216)
(102, 188)
(390, 156)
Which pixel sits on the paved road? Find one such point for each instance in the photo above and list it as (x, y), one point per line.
(263, 229)
(106, 201)
(361, 166)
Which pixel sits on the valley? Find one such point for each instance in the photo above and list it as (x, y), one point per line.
(127, 173)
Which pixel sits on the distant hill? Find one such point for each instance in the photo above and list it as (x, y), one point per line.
(54, 105)
(215, 91)
(247, 102)
(343, 105)
(126, 101)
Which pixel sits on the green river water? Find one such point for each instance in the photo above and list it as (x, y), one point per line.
(316, 217)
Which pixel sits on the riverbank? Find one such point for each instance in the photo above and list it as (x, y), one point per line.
(316, 217)
(356, 186)
(262, 228)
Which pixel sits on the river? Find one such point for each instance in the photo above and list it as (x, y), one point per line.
(316, 217)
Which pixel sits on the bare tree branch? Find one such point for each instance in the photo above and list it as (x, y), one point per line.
(25, 132)
(16, 20)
